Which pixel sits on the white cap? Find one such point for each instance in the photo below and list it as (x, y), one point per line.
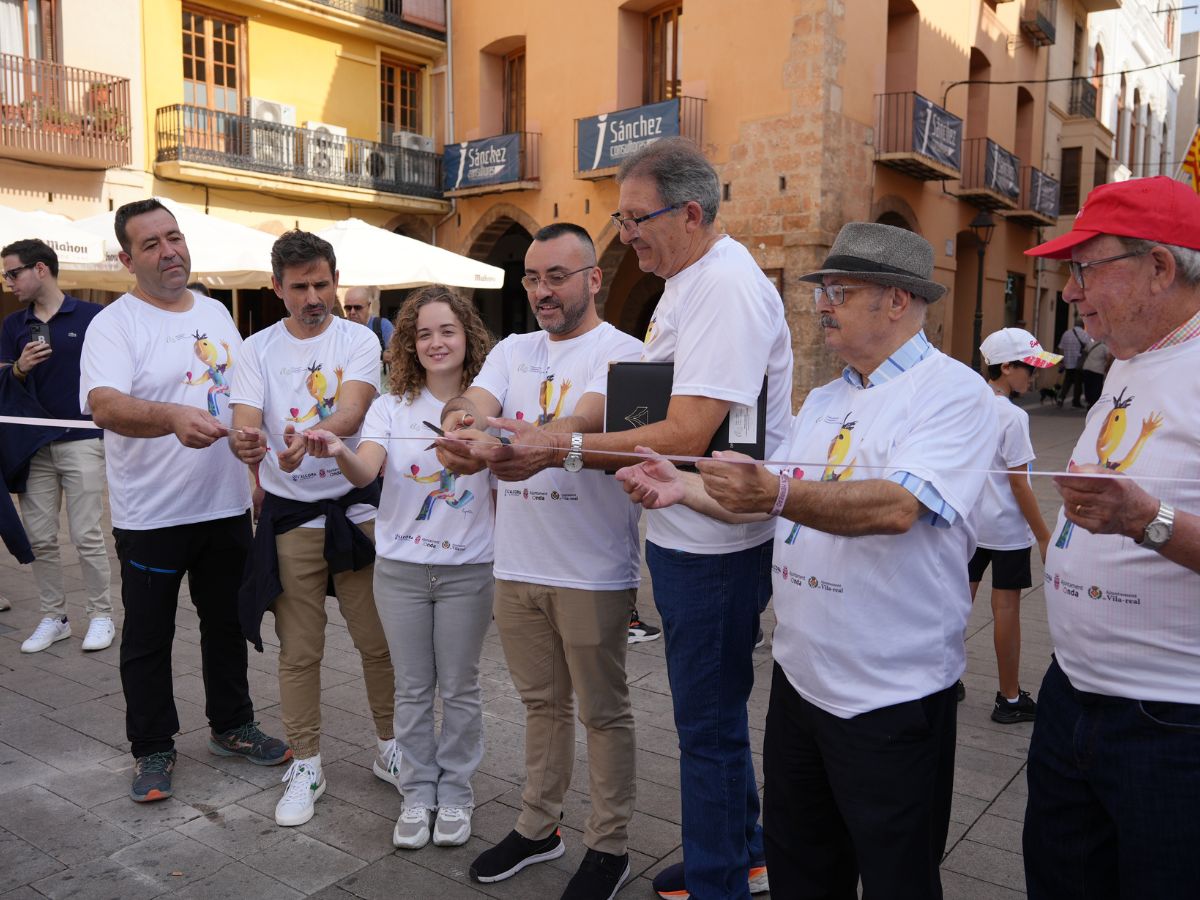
(1016, 345)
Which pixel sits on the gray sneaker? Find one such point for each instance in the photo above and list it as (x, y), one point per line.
(152, 777)
(453, 826)
(412, 828)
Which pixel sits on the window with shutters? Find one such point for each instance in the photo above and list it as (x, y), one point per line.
(399, 98)
(212, 60)
(662, 53)
(514, 91)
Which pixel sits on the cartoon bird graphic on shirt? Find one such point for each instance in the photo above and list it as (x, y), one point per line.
(317, 384)
(839, 449)
(1108, 442)
(214, 371)
(546, 394)
(444, 491)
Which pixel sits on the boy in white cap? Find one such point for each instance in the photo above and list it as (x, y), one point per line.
(1008, 518)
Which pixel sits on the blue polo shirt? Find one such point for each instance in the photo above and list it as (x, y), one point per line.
(55, 383)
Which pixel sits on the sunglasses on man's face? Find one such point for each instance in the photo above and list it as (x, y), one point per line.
(352, 308)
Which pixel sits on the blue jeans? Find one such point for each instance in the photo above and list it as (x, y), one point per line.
(1114, 796)
(709, 605)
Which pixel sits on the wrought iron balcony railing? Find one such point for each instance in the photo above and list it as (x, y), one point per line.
(1083, 99)
(425, 14)
(917, 137)
(201, 135)
(991, 176)
(58, 112)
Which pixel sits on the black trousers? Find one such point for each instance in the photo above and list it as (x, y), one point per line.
(864, 797)
(212, 554)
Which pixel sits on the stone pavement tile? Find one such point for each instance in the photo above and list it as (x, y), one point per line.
(98, 671)
(1002, 739)
(357, 729)
(25, 892)
(303, 863)
(503, 750)
(194, 746)
(21, 862)
(655, 767)
(95, 719)
(657, 705)
(351, 829)
(506, 708)
(46, 687)
(144, 820)
(346, 661)
(983, 774)
(67, 832)
(236, 882)
(20, 769)
(659, 801)
(996, 831)
(1010, 804)
(403, 875)
(655, 681)
(15, 706)
(359, 787)
(264, 686)
(205, 787)
(545, 880)
(987, 863)
(235, 831)
(89, 786)
(963, 887)
(663, 741)
(99, 879)
(956, 832)
(159, 856)
(966, 809)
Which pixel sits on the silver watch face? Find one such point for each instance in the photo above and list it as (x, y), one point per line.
(1157, 534)
(573, 462)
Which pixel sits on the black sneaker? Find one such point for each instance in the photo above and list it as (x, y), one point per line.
(960, 691)
(1024, 710)
(152, 777)
(249, 742)
(513, 854)
(640, 631)
(599, 877)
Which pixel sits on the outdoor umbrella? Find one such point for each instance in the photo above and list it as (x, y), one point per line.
(71, 243)
(369, 256)
(224, 254)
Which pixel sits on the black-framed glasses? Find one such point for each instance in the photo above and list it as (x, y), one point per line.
(1078, 267)
(11, 274)
(633, 222)
(835, 293)
(551, 279)
(353, 308)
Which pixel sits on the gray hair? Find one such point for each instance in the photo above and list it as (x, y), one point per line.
(1187, 260)
(679, 171)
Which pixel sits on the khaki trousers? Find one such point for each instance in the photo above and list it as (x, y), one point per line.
(563, 643)
(300, 626)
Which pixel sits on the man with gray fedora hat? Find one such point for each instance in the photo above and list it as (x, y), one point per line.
(872, 540)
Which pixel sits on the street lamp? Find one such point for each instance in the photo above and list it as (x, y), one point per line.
(982, 225)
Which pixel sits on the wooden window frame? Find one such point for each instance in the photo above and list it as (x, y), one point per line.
(658, 85)
(48, 16)
(397, 108)
(240, 66)
(515, 83)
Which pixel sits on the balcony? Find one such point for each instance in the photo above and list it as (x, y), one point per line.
(1082, 104)
(917, 137)
(426, 15)
(205, 146)
(603, 142)
(990, 176)
(59, 114)
(505, 162)
(1039, 202)
(1037, 21)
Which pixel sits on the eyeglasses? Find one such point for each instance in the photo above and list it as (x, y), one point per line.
(353, 308)
(1078, 267)
(11, 274)
(551, 279)
(835, 293)
(632, 223)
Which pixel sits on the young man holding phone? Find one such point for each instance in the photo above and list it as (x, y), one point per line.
(40, 346)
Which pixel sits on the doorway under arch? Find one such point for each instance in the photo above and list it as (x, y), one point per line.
(503, 244)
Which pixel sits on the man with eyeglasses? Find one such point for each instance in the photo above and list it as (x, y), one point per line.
(870, 579)
(357, 304)
(567, 564)
(45, 369)
(1114, 763)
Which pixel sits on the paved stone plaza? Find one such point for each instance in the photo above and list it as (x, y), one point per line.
(69, 829)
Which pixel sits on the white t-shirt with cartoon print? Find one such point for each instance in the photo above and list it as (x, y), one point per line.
(999, 522)
(575, 530)
(166, 357)
(296, 381)
(721, 322)
(427, 515)
(1125, 620)
(867, 622)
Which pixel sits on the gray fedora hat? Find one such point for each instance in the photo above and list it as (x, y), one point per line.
(883, 254)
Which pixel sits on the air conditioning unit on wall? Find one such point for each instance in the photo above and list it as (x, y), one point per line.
(410, 140)
(378, 167)
(324, 149)
(270, 111)
(268, 135)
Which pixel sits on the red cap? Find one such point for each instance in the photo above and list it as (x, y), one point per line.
(1158, 209)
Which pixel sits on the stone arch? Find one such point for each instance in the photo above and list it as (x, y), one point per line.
(500, 238)
(492, 225)
(893, 209)
(609, 260)
(411, 225)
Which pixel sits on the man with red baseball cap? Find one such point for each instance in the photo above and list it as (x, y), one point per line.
(1114, 764)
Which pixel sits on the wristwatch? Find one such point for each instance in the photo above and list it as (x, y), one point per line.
(574, 460)
(1160, 529)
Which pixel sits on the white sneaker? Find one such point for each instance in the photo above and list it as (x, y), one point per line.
(453, 826)
(100, 633)
(305, 785)
(49, 631)
(387, 765)
(412, 828)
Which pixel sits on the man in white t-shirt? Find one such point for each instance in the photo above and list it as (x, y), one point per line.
(1114, 764)
(311, 368)
(721, 323)
(870, 579)
(567, 565)
(154, 374)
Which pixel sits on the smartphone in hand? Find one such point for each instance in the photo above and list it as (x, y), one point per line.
(39, 332)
